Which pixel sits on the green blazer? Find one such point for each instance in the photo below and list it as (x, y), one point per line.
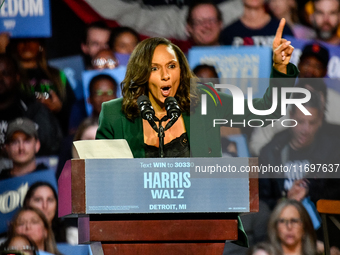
(204, 139)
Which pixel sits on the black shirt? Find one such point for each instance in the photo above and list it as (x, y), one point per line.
(238, 34)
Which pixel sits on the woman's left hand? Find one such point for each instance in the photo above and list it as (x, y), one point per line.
(282, 50)
(53, 102)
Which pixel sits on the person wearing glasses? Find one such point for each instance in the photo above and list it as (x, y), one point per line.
(290, 229)
(204, 23)
(102, 88)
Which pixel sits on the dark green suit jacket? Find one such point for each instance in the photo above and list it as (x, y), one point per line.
(204, 139)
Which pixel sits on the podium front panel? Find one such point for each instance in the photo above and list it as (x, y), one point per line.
(182, 185)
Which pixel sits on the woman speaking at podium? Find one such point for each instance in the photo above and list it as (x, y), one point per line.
(159, 70)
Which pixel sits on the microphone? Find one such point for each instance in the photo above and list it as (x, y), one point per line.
(147, 111)
(173, 111)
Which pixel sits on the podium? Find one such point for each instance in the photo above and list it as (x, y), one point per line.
(157, 206)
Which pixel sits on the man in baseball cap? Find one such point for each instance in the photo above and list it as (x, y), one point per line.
(313, 61)
(22, 144)
(23, 125)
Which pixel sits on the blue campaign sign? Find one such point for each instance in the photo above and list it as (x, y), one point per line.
(117, 74)
(29, 18)
(72, 66)
(232, 62)
(80, 249)
(240, 66)
(13, 191)
(334, 55)
(152, 185)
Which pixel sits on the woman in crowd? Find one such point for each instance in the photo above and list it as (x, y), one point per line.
(32, 222)
(42, 195)
(20, 243)
(49, 85)
(290, 229)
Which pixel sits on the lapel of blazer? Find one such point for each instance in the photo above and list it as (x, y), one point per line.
(133, 133)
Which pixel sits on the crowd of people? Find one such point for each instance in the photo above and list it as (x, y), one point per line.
(37, 101)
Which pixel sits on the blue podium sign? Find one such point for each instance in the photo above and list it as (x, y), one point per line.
(166, 185)
(29, 18)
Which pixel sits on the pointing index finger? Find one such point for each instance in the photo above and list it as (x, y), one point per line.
(279, 32)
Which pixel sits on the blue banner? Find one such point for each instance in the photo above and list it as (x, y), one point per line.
(232, 62)
(26, 18)
(80, 249)
(13, 192)
(72, 66)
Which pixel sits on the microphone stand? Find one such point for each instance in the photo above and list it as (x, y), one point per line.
(159, 130)
(161, 136)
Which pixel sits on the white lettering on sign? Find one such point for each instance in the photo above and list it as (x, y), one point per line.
(23, 8)
(10, 200)
(9, 24)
